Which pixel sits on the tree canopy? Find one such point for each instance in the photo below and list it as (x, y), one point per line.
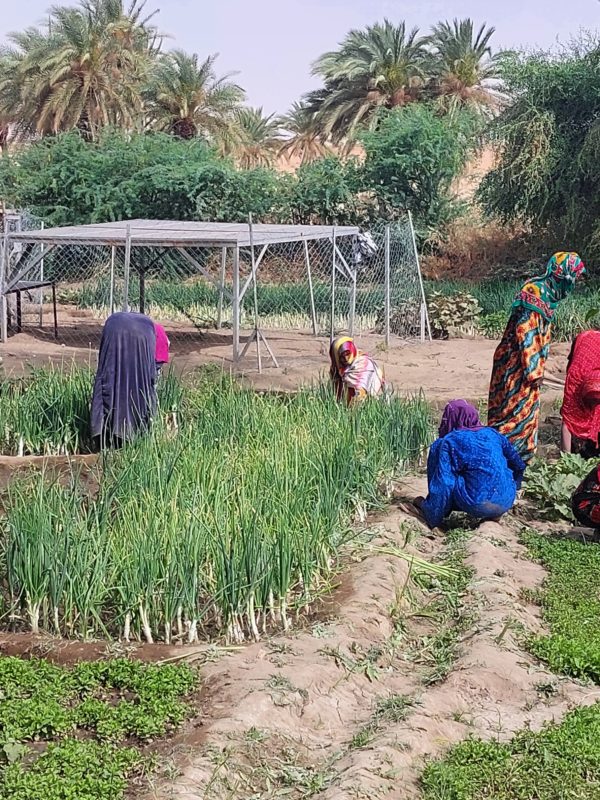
(548, 143)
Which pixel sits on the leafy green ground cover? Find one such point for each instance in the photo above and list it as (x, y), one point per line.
(561, 762)
(78, 732)
(570, 601)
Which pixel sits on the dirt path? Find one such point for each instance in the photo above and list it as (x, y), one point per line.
(294, 717)
(443, 369)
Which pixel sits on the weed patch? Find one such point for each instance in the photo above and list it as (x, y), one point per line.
(76, 732)
(389, 709)
(561, 762)
(570, 602)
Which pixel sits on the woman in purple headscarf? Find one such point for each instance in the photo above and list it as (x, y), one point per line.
(470, 468)
(124, 398)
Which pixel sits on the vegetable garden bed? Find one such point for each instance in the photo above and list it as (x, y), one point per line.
(232, 526)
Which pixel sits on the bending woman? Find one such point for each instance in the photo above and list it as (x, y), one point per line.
(124, 398)
(520, 358)
(162, 347)
(581, 403)
(354, 374)
(470, 468)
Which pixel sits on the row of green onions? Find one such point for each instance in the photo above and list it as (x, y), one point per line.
(48, 411)
(231, 527)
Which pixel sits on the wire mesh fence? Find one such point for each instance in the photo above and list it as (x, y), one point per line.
(65, 289)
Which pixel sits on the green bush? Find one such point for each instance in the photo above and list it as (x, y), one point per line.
(548, 168)
(412, 159)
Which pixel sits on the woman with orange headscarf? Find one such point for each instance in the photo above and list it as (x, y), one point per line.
(581, 403)
(354, 374)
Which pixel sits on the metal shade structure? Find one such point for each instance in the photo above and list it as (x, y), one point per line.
(169, 233)
(24, 251)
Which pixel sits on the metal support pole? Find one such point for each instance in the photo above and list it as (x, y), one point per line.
(111, 303)
(142, 265)
(313, 312)
(3, 280)
(236, 304)
(221, 288)
(354, 275)
(126, 268)
(387, 299)
(333, 268)
(255, 291)
(424, 311)
(41, 281)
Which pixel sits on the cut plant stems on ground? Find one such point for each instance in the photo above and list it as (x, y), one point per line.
(447, 609)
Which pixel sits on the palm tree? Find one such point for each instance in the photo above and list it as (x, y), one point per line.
(380, 66)
(187, 99)
(305, 141)
(86, 72)
(256, 138)
(464, 62)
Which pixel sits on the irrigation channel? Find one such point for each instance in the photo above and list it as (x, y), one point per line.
(227, 519)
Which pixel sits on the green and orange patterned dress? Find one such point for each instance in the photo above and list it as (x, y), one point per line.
(520, 358)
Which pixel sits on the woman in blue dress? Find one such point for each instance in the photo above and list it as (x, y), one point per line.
(471, 468)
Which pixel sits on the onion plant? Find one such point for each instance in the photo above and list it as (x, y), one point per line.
(232, 526)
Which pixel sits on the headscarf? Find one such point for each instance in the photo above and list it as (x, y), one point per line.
(162, 345)
(459, 416)
(124, 398)
(360, 374)
(342, 345)
(545, 293)
(581, 403)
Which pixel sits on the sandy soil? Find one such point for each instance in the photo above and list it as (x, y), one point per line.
(282, 714)
(443, 369)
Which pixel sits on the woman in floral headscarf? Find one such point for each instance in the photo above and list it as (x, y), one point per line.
(520, 358)
(354, 375)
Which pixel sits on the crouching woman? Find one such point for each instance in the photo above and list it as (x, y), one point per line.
(471, 468)
(354, 375)
(124, 399)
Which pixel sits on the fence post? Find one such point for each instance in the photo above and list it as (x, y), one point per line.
(111, 304)
(333, 241)
(3, 275)
(387, 298)
(424, 312)
(126, 269)
(236, 304)
(313, 312)
(41, 281)
(221, 288)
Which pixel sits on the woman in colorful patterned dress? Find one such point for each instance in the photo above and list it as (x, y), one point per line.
(520, 358)
(354, 375)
